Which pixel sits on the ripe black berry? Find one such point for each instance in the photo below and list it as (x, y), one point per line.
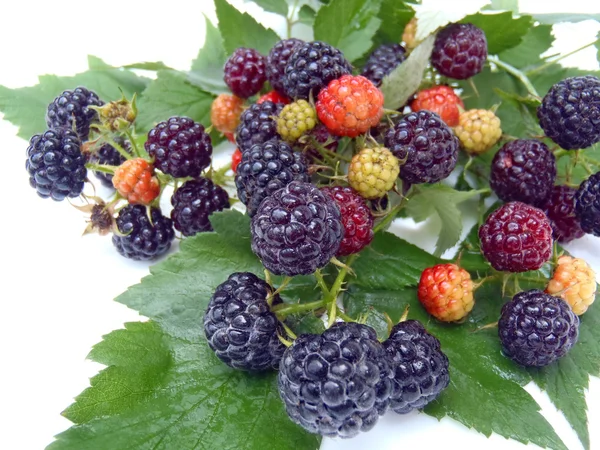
(426, 147)
(587, 204)
(420, 367)
(536, 328)
(239, 325)
(140, 238)
(73, 106)
(382, 61)
(277, 60)
(266, 168)
(245, 72)
(459, 51)
(108, 155)
(296, 230)
(180, 147)
(257, 125)
(337, 383)
(194, 202)
(55, 164)
(561, 212)
(311, 67)
(570, 112)
(516, 238)
(523, 170)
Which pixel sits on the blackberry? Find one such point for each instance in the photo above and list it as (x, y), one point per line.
(264, 169)
(570, 112)
(180, 147)
(311, 67)
(73, 106)
(420, 367)
(296, 230)
(356, 218)
(239, 325)
(338, 383)
(516, 237)
(140, 238)
(427, 146)
(56, 164)
(382, 61)
(587, 205)
(257, 125)
(459, 51)
(523, 170)
(536, 328)
(321, 136)
(277, 60)
(194, 202)
(108, 155)
(561, 212)
(245, 72)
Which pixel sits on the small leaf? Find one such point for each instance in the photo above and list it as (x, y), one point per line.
(274, 6)
(436, 14)
(552, 18)
(506, 5)
(537, 41)
(306, 15)
(147, 65)
(441, 200)
(171, 95)
(242, 30)
(502, 31)
(394, 16)
(348, 25)
(402, 82)
(207, 68)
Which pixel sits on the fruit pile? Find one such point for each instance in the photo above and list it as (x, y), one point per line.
(320, 167)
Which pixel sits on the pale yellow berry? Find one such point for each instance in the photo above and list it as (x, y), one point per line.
(295, 120)
(478, 130)
(575, 282)
(373, 172)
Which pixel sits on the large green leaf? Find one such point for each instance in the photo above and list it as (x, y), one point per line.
(348, 25)
(26, 107)
(394, 16)
(274, 6)
(242, 30)
(207, 68)
(537, 41)
(502, 30)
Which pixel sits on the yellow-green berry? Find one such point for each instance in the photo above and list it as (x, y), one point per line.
(478, 130)
(295, 120)
(373, 172)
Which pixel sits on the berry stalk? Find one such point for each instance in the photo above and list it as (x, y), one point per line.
(515, 73)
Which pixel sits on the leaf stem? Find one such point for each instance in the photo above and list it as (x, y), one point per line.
(555, 60)
(331, 299)
(285, 309)
(516, 73)
(124, 153)
(321, 282)
(391, 215)
(104, 168)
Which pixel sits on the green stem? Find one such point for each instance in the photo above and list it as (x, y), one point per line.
(124, 153)
(321, 282)
(345, 316)
(134, 145)
(560, 153)
(555, 60)
(285, 309)
(104, 168)
(331, 299)
(290, 19)
(391, 215)
(516, 73)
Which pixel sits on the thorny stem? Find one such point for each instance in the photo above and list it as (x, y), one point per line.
(516, 73)
(134, 145)
(104, 168)
(391, 215)
(284, 309)
(321, 282)
(331, 299)
(125, 154)
(555, 60)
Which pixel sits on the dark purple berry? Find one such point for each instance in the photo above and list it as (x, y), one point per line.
(245, 72)
(459, 51)
(73, 106)
(257, 125)
(587, 204)
(560, 209)
(108, 155)
(277, 60)
(382, 61)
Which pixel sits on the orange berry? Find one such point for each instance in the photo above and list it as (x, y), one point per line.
(575, 282)
(225, 112)
(441, 100)
(446, 292)
(135, 181)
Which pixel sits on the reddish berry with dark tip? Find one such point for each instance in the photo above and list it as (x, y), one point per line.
(516, 238)
(257, 125)
(277, 59)
(560, 209)
(459, 51)
(180, 147)
(441, 100)
(382, 61)
(356, 218)
(245, 72)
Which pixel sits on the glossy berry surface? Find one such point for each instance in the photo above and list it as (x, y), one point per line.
(265, 169)
(295, 120)
(516, 238)
(277, 59)
(478, 130)
(225, 112)
(73, 107)
(441, 100)
(426, 145)
(575, 282)
(109, 156)
(311, 67)
(356, 218)
(373, 172)
(459, 51)
(420, 367)
(560, 209)
(135, 181)
(338, 383)
(446, 292)
(245, 72)
(194, 202)
(536, 328)
(570, 112)
(239, 325)
(587, 205)
(296, 230)
(524, 170)
(350, 105)
(55, 164)
(140, 238)
(180, 147)
(236, 159)
(382, 61)
(257, 125)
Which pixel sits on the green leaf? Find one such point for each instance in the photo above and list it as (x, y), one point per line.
(394, 16)
(207, 68)
(502, 31)
(348, 25)
(306, 15)
(598, 46)
(172, 95)
(242, 30)
(274, 6)
(402, 82)
(148, 65)
(161, 392)
(507, 5)
(552, 18)
(431, 17)
(537, 41)
(441, 200)
(26, 107)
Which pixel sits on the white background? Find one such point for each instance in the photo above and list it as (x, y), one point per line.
(56, 288)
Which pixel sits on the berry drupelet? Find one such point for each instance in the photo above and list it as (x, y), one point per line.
(382, 61)
(73, 108)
